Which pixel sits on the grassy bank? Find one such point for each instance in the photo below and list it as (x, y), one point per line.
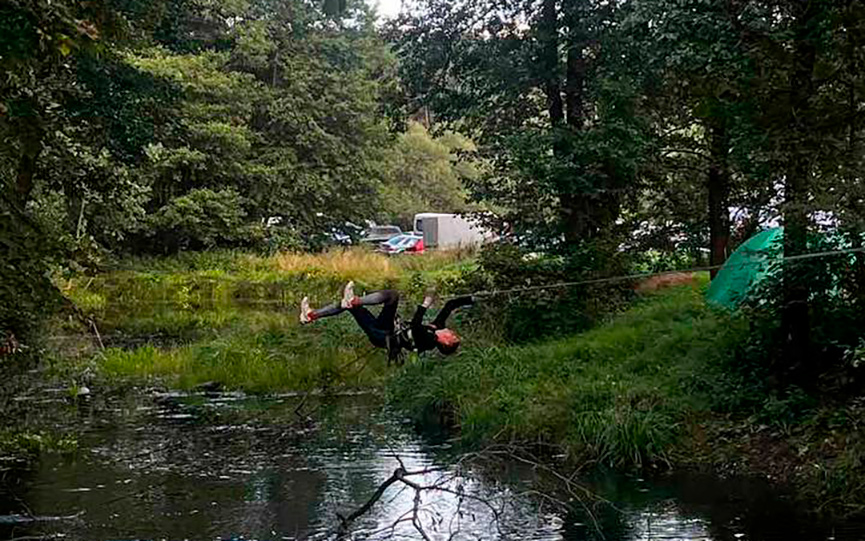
(619, 394)
(662, 384)
(231, 318)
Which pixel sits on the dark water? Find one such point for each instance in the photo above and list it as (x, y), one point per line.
(170, 466)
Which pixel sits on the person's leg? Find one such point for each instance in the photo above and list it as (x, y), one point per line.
(307, 315)
(327, 311)
(383, 325)
(386, 318)
(388, 297)
(376, 329)
(367, 322)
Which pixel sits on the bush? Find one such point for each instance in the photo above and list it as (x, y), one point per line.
(26, 292)
(835, 305)
(539, 312)
(202, 218)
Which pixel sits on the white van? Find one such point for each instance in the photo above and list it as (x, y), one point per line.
(447, 231)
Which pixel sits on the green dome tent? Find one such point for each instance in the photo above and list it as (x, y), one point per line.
(745, 268)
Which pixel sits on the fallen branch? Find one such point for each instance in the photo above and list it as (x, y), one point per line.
(346, 521)
(575, 491)
(79, 314)
(403, 476)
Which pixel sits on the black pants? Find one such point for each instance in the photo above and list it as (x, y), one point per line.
(377, 328)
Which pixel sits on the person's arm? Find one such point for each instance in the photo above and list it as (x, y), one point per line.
(440, 322)
(422, 336)
(417, 319)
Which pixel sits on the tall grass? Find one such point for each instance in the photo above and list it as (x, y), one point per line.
(618, 394)
(187, 280)
(263, 363)
(362, 265)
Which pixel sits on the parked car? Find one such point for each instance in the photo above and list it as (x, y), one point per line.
(403, 244)
(380, 233)
(346, 235)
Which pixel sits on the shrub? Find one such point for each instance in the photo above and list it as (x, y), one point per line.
(541, 311)
(202, 218)
(836, 305)
(26, 292)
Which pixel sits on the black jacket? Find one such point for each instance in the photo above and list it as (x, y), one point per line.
(423, 336)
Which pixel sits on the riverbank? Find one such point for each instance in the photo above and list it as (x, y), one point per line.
(619, 394)
(655, 387)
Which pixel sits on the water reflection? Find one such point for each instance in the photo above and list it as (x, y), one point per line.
(666, 522)
(171, 466)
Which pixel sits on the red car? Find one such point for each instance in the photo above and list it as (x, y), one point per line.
(402, 244)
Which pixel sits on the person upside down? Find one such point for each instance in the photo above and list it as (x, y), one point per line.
(383, 330)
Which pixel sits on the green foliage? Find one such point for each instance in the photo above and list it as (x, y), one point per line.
(200, 219)
(427, 174)
(117, 128)
(836, 307)
(283, 111)
(542, 311)
(25, 282)
(560, 123)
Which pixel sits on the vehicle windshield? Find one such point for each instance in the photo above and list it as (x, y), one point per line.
(383, 231)
(402, 240)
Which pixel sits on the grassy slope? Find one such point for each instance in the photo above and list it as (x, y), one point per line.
(655, 384)
(620, 393)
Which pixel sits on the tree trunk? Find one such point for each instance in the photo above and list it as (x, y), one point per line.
(549, 64)
(31, 147)
(574, 85)
(795, 319)
(576, 207)
(548, 35)
(855, 210)
(719, 194)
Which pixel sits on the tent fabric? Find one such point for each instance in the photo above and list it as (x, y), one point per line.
(745, 268)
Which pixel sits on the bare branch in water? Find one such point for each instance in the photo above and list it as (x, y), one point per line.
(570, 493)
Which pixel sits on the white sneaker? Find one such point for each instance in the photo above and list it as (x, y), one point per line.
(304, 311)
(348, 295)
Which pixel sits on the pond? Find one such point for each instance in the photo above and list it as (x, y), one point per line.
(162, 465)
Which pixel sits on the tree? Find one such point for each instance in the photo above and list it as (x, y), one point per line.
(281, 104)
(803, 91)
(539, 86)
(696, 75)
(427, 174)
